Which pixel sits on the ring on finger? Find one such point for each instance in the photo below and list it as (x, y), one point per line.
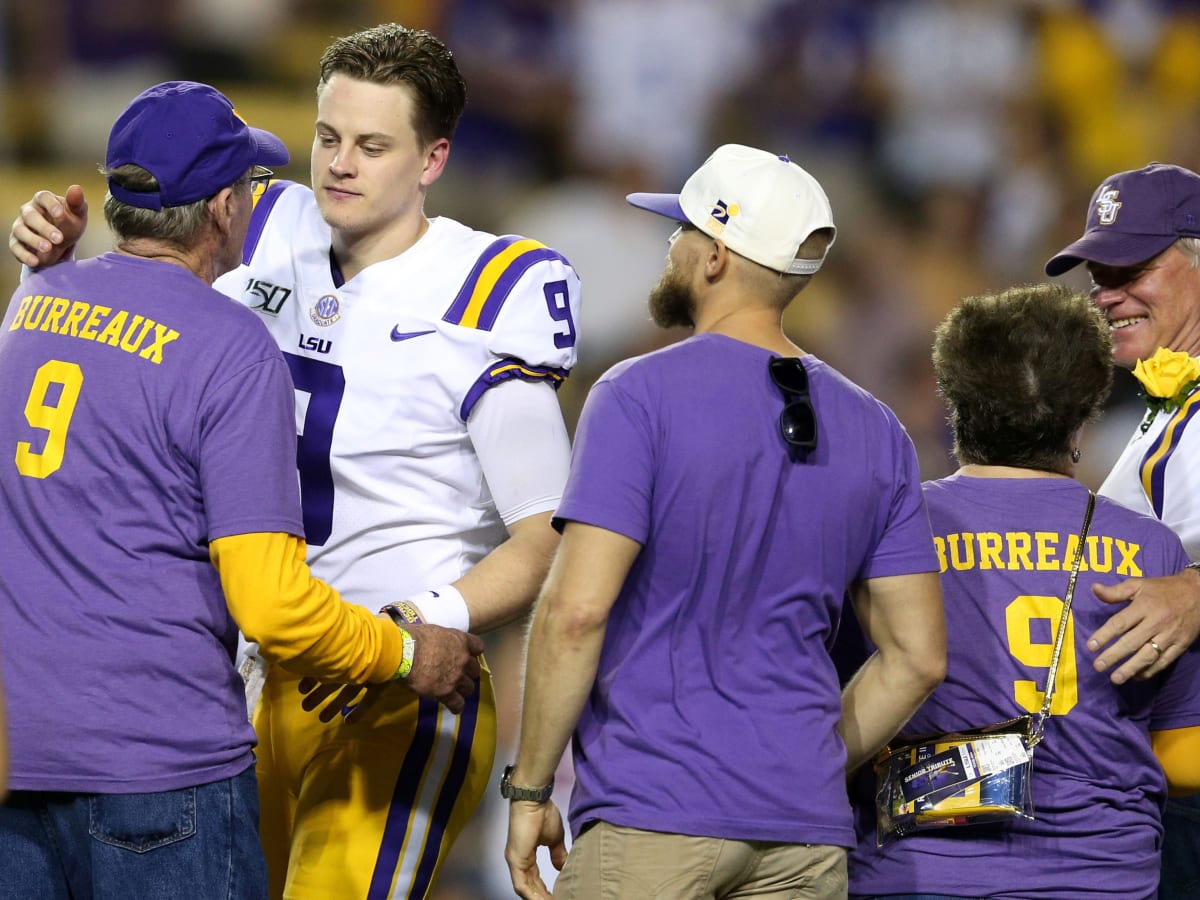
(1158, 651)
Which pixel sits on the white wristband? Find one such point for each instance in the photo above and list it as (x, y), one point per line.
(443, 606)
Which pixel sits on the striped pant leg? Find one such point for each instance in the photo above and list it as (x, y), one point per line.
(374, 807)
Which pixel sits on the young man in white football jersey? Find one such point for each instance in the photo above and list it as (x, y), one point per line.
(432, 451)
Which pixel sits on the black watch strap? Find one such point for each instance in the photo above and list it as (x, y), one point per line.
(510, 791)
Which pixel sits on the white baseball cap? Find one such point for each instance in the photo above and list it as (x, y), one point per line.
(761, 205)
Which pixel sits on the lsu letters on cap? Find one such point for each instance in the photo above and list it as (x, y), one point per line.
(1134, 216)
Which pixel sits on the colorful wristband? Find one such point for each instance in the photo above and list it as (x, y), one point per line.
(410, 649)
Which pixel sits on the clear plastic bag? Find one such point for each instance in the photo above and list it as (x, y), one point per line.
(954, 779)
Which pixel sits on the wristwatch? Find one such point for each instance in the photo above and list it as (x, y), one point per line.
(402, 613)
(510, 791)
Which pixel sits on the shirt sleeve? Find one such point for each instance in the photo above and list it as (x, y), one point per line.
(611, 480)
(538, 322)
(905, 545)
(1180, 495)
(1178, 752)
(523, 448)
(526, 296)
(1177, 703)
(299, 621)
(246, 438)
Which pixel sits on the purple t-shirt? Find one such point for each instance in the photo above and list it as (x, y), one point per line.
(715, 707)
(1097, 787)
(143, 415)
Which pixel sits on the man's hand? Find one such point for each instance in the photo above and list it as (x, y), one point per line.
(1160, 622)
(346, 702)
(445, 668)
(48, 227)
(445, 665)
(530, 825)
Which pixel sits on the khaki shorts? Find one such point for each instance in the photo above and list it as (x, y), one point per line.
(610, 862)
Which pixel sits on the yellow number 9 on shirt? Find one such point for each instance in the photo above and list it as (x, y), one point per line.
(1018, 617)
(55, 419)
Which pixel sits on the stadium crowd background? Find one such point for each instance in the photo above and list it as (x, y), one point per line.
(958, 140)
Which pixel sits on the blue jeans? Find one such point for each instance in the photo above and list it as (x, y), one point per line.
(1181, 849)
(198, 842)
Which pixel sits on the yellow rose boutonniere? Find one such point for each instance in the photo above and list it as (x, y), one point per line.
(1167, 378)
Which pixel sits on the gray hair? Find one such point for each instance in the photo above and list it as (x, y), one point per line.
(1190, 247)
(179, 225)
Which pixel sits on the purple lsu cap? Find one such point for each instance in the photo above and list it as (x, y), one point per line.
(1134, 216)
(188, 136)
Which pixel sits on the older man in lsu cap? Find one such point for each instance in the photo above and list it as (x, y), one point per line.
(725, 493)
(150, 509)
(1141, 247)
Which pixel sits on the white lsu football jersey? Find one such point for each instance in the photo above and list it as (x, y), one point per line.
(387, 368)
(1157, 473)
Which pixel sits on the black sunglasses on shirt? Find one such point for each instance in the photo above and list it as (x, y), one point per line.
(797, 421)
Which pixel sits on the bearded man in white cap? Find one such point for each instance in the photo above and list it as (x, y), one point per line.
(725, 493)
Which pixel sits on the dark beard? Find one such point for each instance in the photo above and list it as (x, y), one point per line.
(671, 303)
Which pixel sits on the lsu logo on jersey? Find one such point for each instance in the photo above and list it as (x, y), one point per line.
(1107, 206)
(316, 345)
(326, 311)
(719, 216)
(271, 297)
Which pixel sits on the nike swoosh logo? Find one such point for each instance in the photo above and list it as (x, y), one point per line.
(398, 335)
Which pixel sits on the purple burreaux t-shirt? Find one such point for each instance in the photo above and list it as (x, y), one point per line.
(1006, 545)
(715, 707)
(143, 415)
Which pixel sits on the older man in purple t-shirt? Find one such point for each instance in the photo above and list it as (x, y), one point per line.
(148, 508)
(725, 494)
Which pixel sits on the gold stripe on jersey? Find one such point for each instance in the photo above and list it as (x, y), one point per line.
(531, 374)
(93, 322)
(486, 279)
(493, 278)
(1154, 466)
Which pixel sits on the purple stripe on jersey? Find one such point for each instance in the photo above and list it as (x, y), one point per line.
(404, 799)
(504, 370)
(504, 284)
(258, 218)
(1171, 435)
(448, 796)
(335, 270)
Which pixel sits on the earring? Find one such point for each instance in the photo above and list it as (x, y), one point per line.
(1076, 455)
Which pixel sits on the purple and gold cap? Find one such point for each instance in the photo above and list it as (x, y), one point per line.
(1134, 216)
(188, 136)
